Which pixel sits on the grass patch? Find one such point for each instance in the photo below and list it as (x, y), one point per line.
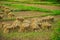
(42, 3)
(55, 35)
(19, 7)
(28, 2)
(24, 35)
(16, 34)
(54, 13)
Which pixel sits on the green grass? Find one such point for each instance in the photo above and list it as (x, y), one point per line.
(24, 34)
(42, 3)
(30, 8)
(27, 2)
(55, 35)
(19, 7)
(54, 13)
